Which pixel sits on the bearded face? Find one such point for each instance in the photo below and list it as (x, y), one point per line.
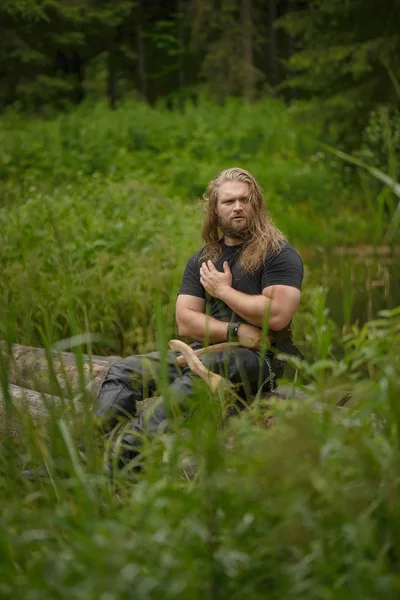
(234, 211)
(236, 228)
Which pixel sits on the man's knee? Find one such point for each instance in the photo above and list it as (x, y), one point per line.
(122, 370)
(242, 366)
(117, 395)
(234, 364)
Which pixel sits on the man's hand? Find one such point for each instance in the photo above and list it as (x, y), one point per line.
(250, 333)
(213, 280)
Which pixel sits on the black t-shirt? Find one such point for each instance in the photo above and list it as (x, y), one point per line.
(282, 268)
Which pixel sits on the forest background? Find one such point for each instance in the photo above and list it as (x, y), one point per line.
(114, 116)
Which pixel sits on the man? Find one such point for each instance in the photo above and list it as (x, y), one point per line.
(245, 281)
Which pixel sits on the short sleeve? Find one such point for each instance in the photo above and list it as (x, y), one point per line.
(191, 279)
(283, 268)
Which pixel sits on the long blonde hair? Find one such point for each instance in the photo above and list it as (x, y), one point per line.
(264, 238)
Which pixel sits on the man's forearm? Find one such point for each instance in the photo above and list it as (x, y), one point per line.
(253, 308)
(202, 328)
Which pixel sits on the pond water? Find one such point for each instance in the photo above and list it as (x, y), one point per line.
(360, 281)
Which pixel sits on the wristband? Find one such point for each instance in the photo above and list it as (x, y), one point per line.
(232, 332)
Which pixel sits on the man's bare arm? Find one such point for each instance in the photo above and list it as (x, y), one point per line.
(277, 303)
(194, 323)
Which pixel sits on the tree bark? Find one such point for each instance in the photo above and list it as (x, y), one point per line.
(39, 406)
(27, 402)
(55, 373)
(39, 383)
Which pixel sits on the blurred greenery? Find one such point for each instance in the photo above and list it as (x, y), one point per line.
(339, 59)
(307, 508)
(98, 216)
(99, 209)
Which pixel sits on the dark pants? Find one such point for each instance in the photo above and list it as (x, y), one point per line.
(136, 377)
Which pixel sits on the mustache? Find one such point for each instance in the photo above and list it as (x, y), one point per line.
(227, 227)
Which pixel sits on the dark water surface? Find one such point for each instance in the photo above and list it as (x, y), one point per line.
(360, 281)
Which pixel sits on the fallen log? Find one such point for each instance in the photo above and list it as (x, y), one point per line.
(58, 373)
(21, 402)
(54, 372)
(40, 379)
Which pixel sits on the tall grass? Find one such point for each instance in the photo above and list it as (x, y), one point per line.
(98, 209)
(305, 509)
(97, 221)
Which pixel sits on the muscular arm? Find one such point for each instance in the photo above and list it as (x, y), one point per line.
(278, 302)
(193, 323)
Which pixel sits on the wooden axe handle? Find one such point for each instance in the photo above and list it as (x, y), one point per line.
(181, 360)
(196, 366)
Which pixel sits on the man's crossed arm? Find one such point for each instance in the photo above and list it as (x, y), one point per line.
(277, 303)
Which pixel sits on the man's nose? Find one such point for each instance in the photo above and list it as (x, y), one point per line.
(238, 206)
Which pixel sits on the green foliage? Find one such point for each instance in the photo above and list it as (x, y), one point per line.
(106, 239)
(95, 201)
(345, 53)
(97, 220)
(381, 140)
(305, 509)
(49, 44)
(390, 183)
(177, 152)
(342, 56)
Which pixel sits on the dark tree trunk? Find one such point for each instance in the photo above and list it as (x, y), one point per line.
(247, 28)
(141, 63)
(181, 10)
(273, 64)
(112, 68)
(112, 82)
(71, 67)
(284, 8)
(77, 68)
(11, 86)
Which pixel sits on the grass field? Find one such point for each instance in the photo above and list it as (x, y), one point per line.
(94, 201)
(98, 217)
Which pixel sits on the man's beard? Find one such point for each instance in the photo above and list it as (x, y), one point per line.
(235, 231)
